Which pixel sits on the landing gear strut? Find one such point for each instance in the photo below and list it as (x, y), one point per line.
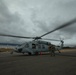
(29, 53)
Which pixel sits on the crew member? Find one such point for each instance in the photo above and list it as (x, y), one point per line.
(52, 49)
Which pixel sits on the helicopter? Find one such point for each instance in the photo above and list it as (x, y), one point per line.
(37, 45)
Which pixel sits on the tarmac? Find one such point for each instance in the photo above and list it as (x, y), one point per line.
(63, 63)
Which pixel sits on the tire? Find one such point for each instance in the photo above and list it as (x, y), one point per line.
(29, 53)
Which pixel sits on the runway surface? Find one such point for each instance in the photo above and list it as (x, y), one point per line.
(19, 64)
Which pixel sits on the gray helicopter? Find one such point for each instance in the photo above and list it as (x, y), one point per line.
(37, 45)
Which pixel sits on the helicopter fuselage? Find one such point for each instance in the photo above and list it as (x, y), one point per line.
(34, 47)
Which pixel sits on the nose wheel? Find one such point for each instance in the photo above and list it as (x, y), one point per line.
(11, 52)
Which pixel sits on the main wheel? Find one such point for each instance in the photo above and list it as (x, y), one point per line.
(29, 53)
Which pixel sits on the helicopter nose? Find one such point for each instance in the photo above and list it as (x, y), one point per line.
(20, 50)
(16, 50)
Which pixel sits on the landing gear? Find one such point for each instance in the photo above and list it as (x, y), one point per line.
(29, 53)
(36, 53)
(23, 52)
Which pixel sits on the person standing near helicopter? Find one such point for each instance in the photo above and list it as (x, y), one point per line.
(52, 49)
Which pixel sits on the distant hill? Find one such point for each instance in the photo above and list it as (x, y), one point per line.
(10, 44)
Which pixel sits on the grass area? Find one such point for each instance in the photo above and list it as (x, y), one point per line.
(5, 49)
(10, 49)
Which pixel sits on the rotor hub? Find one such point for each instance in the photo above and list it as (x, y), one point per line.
(37, 38)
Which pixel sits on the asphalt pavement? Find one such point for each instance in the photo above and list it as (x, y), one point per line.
(19, 64)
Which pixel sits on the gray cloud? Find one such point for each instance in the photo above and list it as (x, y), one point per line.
(9, 23)
(62, 12)
(36, 17)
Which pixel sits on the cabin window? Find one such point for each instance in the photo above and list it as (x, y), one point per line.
(33, 46)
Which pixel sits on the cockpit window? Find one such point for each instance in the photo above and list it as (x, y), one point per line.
(43, 46)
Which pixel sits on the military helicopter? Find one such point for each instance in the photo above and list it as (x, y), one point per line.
(37, 45)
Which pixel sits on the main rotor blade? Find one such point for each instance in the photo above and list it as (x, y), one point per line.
(60, 27)
(7, 35)
(51, 39)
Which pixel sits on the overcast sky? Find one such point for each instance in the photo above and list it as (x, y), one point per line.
(36, 17)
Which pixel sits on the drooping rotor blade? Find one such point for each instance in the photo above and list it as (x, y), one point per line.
(60, 27)
(7, 35)
(51, 39)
